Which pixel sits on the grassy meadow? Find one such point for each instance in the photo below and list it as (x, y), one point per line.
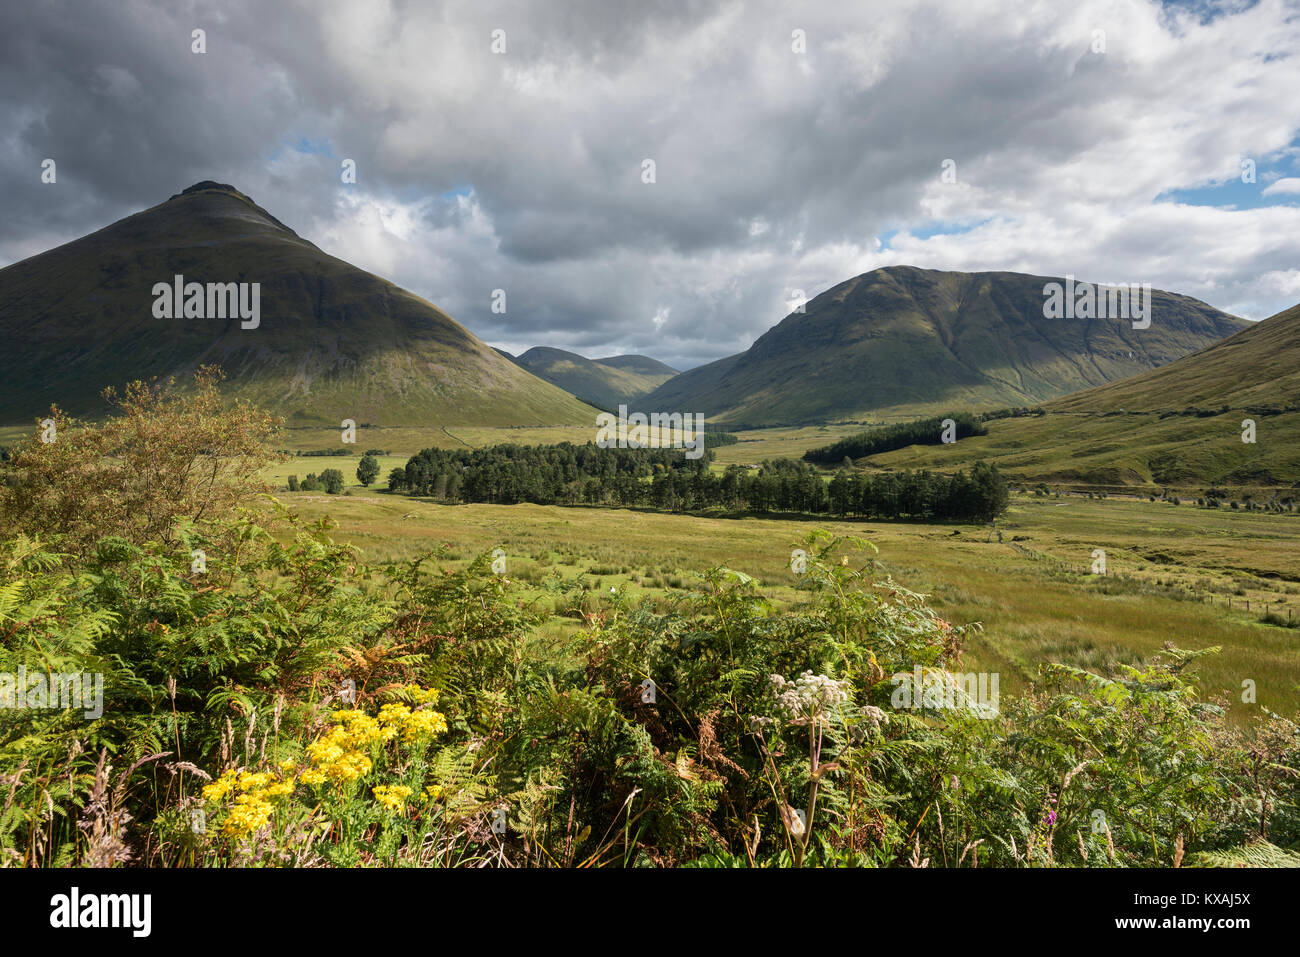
(1138, 451)
(1191, 576)
(1172, 571)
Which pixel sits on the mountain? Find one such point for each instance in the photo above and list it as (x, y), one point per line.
(606, 382)
(332, 341)
(1258, 367)
(905, 342)
(1177, 426)
(640, 365)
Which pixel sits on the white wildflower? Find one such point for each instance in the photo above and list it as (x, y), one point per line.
(808, 696)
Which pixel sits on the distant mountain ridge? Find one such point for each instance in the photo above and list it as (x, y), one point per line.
(641, 365)
(902, 342)
(333, 341)
(606, 382)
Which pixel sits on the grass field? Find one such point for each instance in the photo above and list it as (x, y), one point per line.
(1195, 577)
(1142, 451)
(1136, 453)
(759, 444)
(1172, 571)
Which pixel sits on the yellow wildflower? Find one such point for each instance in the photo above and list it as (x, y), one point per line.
(392, 797)
(422, 724)
(248, 816)
(249, 781)
(394, 713)
(219, 788)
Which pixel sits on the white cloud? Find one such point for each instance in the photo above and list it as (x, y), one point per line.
(1289, 185)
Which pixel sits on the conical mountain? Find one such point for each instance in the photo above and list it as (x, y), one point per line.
(332, 341)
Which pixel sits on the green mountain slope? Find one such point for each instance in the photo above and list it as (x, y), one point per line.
(1179, 425)
(640, 365)
(902, 341)
(334, 341)
(1257, 367)
(607, 382)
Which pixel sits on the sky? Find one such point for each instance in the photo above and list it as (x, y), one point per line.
(504, 146)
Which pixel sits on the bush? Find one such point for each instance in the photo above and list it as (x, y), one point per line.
(658, 735)
(168, 454)
(178, 653)
(331, 480)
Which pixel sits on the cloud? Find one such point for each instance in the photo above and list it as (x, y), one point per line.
(1289, 185)
(775, 169)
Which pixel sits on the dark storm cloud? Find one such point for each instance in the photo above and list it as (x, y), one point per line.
(775, 170)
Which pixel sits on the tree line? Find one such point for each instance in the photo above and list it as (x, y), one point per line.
(665, 479)
(891, 437)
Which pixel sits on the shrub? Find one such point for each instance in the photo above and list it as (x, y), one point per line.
(331, 480)
(168, 454)
(770, 737)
